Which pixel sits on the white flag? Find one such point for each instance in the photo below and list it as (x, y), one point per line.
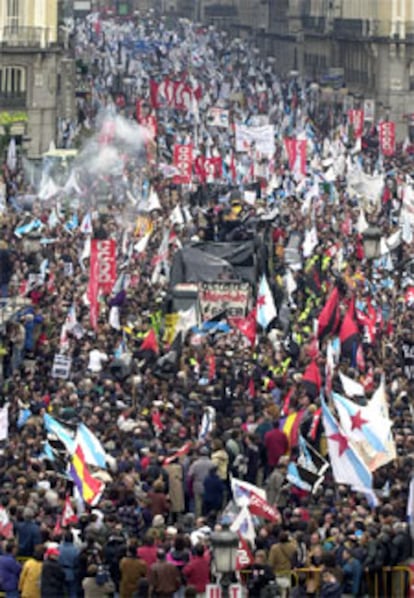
(4, 422)
(351, 388)
(243, 525)
(266, 309)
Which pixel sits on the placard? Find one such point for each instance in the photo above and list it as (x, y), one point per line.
(407, 349)
(218, 117)
(61, 366)
(216, 297)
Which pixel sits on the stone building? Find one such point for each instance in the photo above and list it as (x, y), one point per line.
(37, 75)
(367, 45)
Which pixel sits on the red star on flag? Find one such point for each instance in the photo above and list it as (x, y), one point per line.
(357, 421)
(409, 295)
(342, 442)
(261, 301)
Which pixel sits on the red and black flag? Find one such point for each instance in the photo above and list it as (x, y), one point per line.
(349, 334)
(328, 321)
(150, 342)
(312, 380)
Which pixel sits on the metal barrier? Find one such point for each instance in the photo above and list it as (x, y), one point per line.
(389, 581)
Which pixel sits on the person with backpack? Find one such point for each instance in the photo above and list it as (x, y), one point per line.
(93, 585)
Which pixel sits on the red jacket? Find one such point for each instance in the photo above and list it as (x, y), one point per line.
(147, 554)
(276, 444)
(197, 573)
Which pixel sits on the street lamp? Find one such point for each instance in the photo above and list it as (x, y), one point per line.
(225, 545)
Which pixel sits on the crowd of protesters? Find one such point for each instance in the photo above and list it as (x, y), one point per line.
(149, 532)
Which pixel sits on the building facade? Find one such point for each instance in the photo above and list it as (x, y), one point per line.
(367, 44)
(37, 76)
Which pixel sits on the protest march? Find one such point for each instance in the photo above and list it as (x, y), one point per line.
(207, 296)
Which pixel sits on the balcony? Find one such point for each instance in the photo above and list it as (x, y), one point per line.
(355, 28)
(15, 101)
(25, 37)
(314, 24)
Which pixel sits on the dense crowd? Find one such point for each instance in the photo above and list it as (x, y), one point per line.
(177, 421)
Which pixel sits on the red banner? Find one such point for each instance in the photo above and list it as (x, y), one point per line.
(199, 168)
(138, 109)
(296, 151)
(213, 169)
(93, 288)
(262, 508)
(356, 120)
(183, 161)
(387, 137)
(175, 94)
(103, 252)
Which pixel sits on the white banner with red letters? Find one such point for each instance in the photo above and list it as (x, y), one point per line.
(263, 139)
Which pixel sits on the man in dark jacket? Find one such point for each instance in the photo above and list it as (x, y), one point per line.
(6, 271)
(52, 580)
(213, 492)
(10, 571)
(260, 575)
(330, 587)
(164, 578)
(28, 534)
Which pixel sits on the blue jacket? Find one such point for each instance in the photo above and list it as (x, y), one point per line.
(68, 560)
(9, 572)
(29, 536)
(352, 576)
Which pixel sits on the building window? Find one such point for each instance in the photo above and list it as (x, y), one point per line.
(13, 14)
(13, 85)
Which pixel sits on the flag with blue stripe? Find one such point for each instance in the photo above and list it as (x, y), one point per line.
(92, 448)
(25, 229)
(347, 465)
(72, 223)
(61, 432)
(47, 453)
(359, 422)
(24, 415)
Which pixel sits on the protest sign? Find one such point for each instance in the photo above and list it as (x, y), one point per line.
(216, 297)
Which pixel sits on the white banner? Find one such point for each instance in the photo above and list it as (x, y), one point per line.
(262, 137)
(369, 110)
(216, 297)
(4, 422)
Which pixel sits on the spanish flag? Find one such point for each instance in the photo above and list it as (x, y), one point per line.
(90, 488)
(290, 427)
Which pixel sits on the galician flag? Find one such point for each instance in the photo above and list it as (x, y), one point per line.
(266, 309)
(347, 465)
